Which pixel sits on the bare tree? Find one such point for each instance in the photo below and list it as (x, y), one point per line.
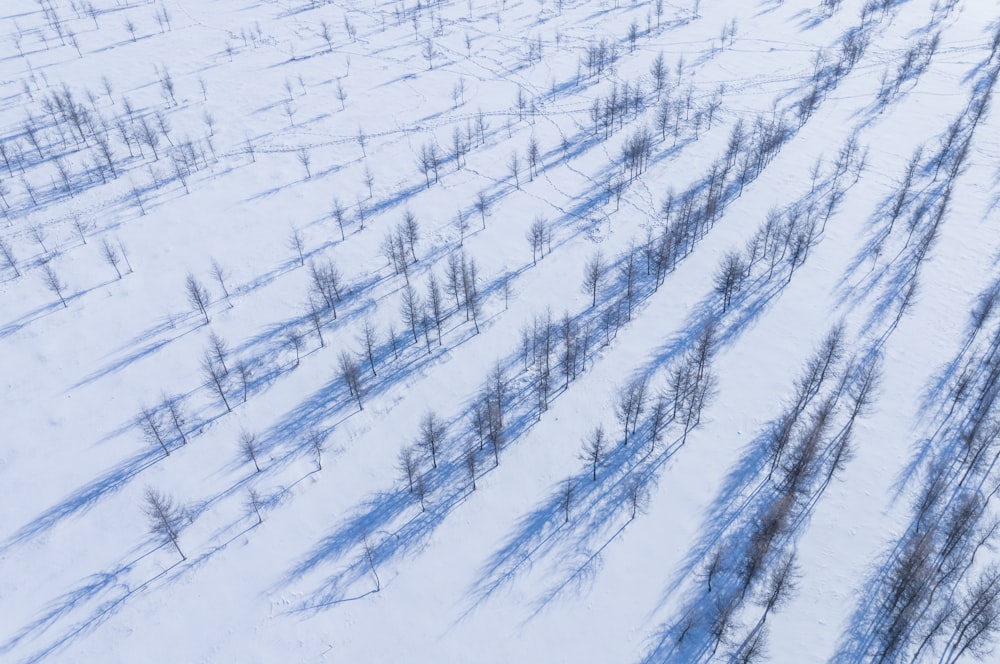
(337, 211)
(350, 373)
(214, 378)
(8, 255)
(218, 350)
(296, 242)
(172, 407)
(253, 502)
(37, 233)
(514, 165)
(411, 309)
(197, 295)
(245, 374)
(220, 275)
(637, 495)
(407, 464)
(305, 159)
(482, 206)
(370, 339)
(593, 276)
(566, 498)
(593, 449)
(326, 282)
(317, 443)
(110, 255)
(166, 518)
(432, 432)
(370, 557)
(151, 423)
(729, 277)
(471, 464)
(54, 283)
(249, 448)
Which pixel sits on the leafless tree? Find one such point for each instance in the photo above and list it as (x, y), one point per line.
(151, 422)
(338, 213)
(350, 373)
(220, 275)
(305, 159)
(218, 350)
(54, 283)
(214, 378)
(245, 374)
(327, 284)
(471, 464)
(514, 166)
(8, 255)
(37, 233)
(295, 241)
(253, 502)
(566, 498)
(317, 322)
(110, 255)
(166, 518)
(370, 557)
(249, 448)
(411, 310)
(171, 405)
(197, 295)
(432, 432)
(482, 206)
(407, 463)
(593, 276)
(370, 339)
(317, 443)
(637, 495)
(593, 449)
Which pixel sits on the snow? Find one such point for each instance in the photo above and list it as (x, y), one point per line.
(493, 574)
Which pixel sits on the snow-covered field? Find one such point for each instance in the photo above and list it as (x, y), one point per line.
(683, 315)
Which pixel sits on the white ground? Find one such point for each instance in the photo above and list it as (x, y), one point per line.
(492, 575)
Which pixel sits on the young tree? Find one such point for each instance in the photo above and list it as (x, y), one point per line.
(370, 557)
(432, 432)
(221, 275)
(151, 423)
(166, 518)
(54, 283)
(317, 322)
(370, 339)
(214, 378)
(296, 242)
(566, 498)
(171, 405)
(197, 295)
(514, 165)
(326, 283)
(411, 310)
(593, 276)
(407, 464)
(218, 350)
(305, 159)
(110, 255)
(249, 449)
(338, 212)
(471, 464)
(245, 374)
(729, 277)
(253, 502)
(8, 255)
(482, 206)
(350, 373)
(317, 443)
(593, 449)
(637, 496)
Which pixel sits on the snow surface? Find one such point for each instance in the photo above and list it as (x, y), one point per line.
(491, 575)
